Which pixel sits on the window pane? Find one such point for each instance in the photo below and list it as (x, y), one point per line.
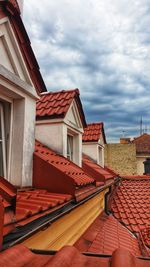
(70, 147)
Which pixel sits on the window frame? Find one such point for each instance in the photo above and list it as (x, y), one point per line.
(70, 143)
(3, 139)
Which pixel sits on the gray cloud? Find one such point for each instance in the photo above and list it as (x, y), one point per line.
(101, 47)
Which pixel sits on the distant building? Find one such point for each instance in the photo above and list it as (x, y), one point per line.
(127, 158)
(142, 144)
(121, 158)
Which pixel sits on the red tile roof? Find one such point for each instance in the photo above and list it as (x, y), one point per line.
(33, 202)
(105, 235)
(146, 176)
(56, 104)
(31, 205)
(20, 256)
(93, 132)
(142, 144)
(60, 173)
(131, 204)
(96, 171)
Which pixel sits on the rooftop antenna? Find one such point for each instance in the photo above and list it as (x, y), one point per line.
(123, 133)
(141, 126)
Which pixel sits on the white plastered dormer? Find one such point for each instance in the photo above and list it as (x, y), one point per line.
(18, 102)
(63, 135)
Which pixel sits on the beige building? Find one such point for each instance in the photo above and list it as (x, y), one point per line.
(127, 158)
(142, 144)
(121, 158)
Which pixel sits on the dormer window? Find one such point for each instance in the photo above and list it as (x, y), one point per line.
(70, 147)
(61, 128)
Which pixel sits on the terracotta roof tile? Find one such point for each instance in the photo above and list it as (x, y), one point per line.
(19, 256)
(142, 143)
(32, 204)
(56, 104)
(92, 132)
(130, 204)
(96, 171)
(73, 171)
(105, 235)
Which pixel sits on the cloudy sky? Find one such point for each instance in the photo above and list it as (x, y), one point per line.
(101, 47)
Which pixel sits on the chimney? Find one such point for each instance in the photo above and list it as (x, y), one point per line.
(147, 166)
(125, 140)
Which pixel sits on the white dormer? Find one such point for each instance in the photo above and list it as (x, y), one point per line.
(60, 122)
(94, 141)
(18, 95)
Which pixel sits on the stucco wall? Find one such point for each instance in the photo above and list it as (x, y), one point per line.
(50, 135)
(140, 166)
(54, 135)
(121, 158)
(94, 151)
(90, 150)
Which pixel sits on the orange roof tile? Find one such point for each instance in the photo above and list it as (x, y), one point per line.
(96, 171)
(131, 204)
(56, 104)
(93, 131)
(105, 235)
(20, 256)
(142, 143)
(70, 169)
(31, 205)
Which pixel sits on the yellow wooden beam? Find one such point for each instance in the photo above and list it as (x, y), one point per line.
(68, 229)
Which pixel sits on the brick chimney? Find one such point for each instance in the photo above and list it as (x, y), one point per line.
(125, 140)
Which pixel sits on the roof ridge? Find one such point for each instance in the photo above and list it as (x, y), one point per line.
(94, 123)
(60, 91)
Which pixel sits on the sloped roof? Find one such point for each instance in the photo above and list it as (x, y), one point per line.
(11, 9)
(56, 104)
(131, 204)
(31, 205)
(93, 132)
(73, 171)
(96, 171)
(142, 143)
(20, 256)
(105, 235)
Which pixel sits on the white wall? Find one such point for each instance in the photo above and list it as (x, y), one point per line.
(90, 150)
(51, 135)
(94, 151)
(54, 135)
(22, 143)
(140, 165)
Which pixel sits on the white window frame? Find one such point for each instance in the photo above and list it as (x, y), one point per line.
(70, 144)
(3, 141)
